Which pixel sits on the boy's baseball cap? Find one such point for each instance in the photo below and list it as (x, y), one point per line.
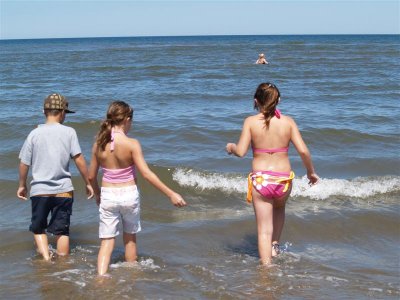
(56, 101)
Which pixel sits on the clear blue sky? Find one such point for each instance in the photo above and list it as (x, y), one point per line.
(55, 18)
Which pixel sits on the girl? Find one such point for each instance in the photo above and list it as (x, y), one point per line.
(269, 133)
(119, 156)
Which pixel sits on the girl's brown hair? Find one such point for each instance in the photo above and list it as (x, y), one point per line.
(117, 112)
(267, 96)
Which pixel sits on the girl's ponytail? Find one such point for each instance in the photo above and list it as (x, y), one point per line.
(267, 96)
(117, 112)
(104, 135)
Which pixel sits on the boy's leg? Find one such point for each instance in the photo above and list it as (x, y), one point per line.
(62, 245)
(42, 245)
(40, 211)
(130, 247)
(60, 222)
(104, 257)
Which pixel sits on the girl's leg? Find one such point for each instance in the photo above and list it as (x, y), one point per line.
(130, 247)
(62, 245)
(103, 260)
(279, 219)
(263, 209)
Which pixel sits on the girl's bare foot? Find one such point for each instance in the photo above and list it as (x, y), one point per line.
(275, 249)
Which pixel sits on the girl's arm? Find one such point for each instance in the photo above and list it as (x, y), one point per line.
(303, 151)
(150, 176)
(242, 146)
(93, 171)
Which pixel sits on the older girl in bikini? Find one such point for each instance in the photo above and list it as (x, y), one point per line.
(270, 183)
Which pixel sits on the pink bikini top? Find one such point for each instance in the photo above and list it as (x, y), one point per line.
(272, 150)
(118, 175)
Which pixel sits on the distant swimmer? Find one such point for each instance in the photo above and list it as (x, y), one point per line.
(261, 59)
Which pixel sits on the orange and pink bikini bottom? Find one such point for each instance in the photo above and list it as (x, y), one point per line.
(270, 184)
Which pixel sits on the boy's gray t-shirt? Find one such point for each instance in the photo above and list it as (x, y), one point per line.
(48, 150)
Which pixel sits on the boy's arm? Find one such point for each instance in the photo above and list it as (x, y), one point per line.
(81, 165)
(23, 175)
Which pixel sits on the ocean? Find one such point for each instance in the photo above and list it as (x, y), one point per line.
(341, 239)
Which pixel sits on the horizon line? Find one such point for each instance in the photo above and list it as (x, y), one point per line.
(200, 35)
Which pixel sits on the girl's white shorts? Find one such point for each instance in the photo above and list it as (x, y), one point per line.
(119, 204)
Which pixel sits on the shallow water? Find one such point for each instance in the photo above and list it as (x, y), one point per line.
(191, 94)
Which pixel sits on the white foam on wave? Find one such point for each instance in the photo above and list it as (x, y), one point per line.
(68, 272)
(360, 187)
(210, 181)
(75, 276)
(144, 263)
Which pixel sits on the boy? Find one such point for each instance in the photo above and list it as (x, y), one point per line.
(48, 149)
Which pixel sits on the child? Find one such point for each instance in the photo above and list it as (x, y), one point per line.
(48, 149)
(261, 59)
(118, 156)
(269, 185)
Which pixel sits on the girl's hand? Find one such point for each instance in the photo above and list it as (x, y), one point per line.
(313, 177)
(177, 200)
(230, 147)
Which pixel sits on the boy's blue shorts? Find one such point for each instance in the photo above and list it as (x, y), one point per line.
(60, 209)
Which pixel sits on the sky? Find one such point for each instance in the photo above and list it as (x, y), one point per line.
(107, 18)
